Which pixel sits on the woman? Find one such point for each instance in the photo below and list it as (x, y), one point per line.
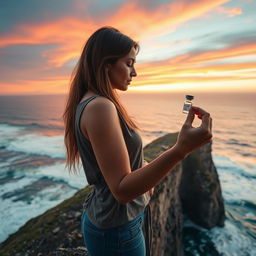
(99, 131)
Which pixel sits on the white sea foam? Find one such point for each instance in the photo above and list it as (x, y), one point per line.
(21, 212)
(45, 199)
(249, 215)
(8, 133)
(231, 241)
(58, 171)
(51, 146)
(13, 138)
(16, 184)
(7, 130)
(234, 180)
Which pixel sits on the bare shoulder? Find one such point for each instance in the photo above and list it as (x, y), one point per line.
(100, 113)
(98, 108)
(100, 104)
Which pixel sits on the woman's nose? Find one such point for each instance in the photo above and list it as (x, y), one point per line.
(134, 73)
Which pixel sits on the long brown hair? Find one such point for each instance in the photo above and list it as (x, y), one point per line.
(104, 46)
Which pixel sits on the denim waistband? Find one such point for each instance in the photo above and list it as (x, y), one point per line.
(124, 226)
(131, 223)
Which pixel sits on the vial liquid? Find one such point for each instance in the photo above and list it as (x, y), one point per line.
(187, 103)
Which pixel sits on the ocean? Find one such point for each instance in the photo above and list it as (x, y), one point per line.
(33, 177)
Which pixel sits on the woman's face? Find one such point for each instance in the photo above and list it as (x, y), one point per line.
(122, 72)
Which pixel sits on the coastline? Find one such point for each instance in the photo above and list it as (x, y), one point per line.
(58, 229)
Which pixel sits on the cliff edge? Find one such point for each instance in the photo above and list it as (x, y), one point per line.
(191, 189)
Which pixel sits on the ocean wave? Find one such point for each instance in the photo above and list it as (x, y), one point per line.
(16, 138)
(238, 143)
(12, 182)
(37, 144)
(231, 240)
(56, 172)
(26, 194)
(21, 211)
(29, 125)
(158, 132)
(235, 180)
(7, 130)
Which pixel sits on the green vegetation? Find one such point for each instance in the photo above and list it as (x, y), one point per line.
(43, 230)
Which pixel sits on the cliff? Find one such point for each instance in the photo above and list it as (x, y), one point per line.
(191, 189)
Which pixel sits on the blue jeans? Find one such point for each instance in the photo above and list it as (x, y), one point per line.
(124, 240)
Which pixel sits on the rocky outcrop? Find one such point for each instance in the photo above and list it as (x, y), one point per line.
(191, 188)
(165, 204)
(200, 190)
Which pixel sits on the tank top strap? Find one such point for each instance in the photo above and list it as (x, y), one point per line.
(82, 104)
(79, 110)
(124, 124)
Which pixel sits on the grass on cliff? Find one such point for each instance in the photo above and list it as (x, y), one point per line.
(41, 228)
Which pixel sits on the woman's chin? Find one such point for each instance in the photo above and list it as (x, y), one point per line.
(123, 88)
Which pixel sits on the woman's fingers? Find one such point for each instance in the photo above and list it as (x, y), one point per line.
(210, 124)
(204, 116)
(190, 117)
(206, 122)
(199, 111)
(191, 137)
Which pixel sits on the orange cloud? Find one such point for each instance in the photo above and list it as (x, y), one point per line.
(225, 53)
(231, 12)
(48, 33)
(194, 68)
(53, 86)
(139, 22)
(70, 33)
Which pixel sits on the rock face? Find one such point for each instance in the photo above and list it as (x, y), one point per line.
(165, 204)
(191, 188)
(200, 190)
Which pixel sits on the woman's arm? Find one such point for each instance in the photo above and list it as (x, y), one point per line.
(101, 124)
(151, 191)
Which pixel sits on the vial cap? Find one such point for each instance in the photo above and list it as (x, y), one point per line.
(189, 97)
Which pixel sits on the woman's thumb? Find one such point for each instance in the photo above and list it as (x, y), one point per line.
(190, 117)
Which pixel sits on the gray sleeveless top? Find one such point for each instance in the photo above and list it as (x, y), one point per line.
(102, 208)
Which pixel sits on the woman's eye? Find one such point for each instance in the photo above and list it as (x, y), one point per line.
(129, 65)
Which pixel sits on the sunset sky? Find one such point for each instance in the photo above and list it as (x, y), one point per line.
(196, 45)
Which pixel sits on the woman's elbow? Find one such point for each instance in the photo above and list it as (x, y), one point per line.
(122, 199)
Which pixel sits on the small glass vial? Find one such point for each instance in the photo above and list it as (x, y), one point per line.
(187, 103)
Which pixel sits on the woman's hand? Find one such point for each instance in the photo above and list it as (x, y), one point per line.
(190, 138)
(151, 191)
